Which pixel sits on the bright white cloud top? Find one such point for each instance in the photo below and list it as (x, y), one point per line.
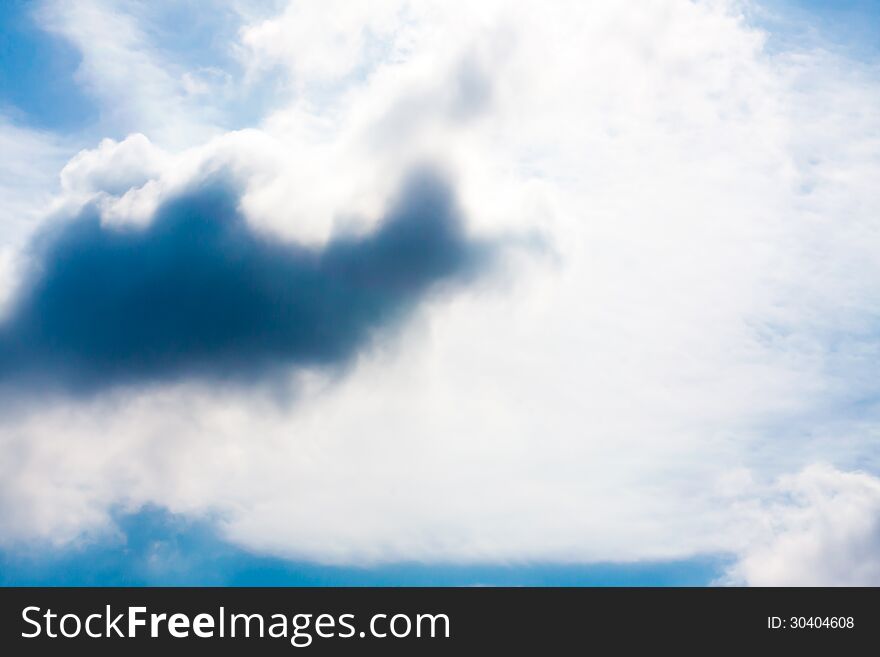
(687, 368)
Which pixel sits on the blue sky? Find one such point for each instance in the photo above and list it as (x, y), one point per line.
(156, 548)
(850, 26)
(38, 73)
(612, 325)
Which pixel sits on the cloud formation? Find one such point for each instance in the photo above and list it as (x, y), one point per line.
(708, 326)
(198, 292)
(822, 528)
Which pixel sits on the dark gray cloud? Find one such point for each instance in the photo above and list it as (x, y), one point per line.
(198, 293)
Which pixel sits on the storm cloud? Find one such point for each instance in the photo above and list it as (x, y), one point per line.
(199, 293)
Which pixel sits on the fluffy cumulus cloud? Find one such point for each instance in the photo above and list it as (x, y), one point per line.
(683, 322)
(820, 527)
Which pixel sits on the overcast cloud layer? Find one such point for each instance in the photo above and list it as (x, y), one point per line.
(686, 367)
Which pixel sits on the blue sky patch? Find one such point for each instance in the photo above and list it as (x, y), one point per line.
(157, 548)
(38, 85)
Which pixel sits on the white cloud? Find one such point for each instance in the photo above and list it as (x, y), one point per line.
(323, 42)
(114, 167)
(820, 527)
(709, 310)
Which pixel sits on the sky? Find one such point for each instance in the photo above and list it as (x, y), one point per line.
(439, 293)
